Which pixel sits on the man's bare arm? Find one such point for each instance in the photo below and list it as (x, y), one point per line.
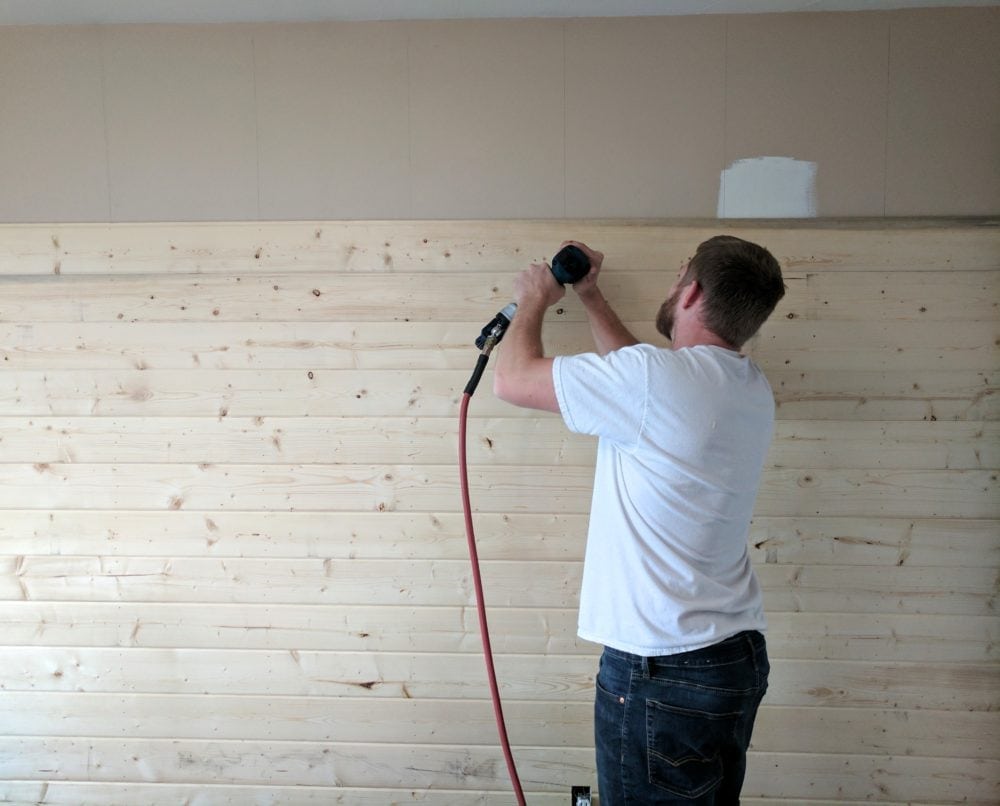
(606, 328)
(523, 374)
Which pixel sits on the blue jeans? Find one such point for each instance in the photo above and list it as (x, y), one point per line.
(674, 729)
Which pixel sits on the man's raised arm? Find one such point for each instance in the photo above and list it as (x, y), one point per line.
(607, 329)
(523, 374)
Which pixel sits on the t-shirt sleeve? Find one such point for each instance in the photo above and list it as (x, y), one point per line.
(605, 395)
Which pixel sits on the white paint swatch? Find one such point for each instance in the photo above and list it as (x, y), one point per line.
(768, 187)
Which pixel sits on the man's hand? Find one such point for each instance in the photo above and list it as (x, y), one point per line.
(536, 285)
(588, 284)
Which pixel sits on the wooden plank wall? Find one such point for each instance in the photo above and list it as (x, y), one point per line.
(232, 565)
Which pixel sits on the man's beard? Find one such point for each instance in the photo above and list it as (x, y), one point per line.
(665, 317)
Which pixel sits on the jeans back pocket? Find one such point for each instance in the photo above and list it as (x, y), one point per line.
(684, 746)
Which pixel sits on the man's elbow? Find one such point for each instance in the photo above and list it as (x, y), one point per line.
(502, 386)
(509, 388)
(529, 389)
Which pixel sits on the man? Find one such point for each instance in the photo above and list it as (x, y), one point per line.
(668, 588)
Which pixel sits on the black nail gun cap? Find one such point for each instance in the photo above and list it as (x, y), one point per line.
(570, 265)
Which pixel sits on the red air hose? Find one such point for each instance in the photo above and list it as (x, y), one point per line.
(480, 602)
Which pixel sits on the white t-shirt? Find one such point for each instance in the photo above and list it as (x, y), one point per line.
(683, 438)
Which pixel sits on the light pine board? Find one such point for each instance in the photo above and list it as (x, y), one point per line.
(232, 561)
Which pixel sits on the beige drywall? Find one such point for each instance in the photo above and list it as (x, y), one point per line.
(498, 119)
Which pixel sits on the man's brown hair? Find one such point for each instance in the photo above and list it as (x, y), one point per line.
(741, 283)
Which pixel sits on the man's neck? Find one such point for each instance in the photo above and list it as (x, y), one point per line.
(697, 336)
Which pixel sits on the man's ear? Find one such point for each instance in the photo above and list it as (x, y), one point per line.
(690, 295)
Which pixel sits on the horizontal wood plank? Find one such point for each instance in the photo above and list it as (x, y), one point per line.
(77, 793)
(374, 719)
(956, 734)
(484, 246)
(87, 793)
(882, 638)
(914, 395)
(363, 535)
(449, 677)
(299, 763)
(831, 588)
(881, 344)
(297, 673)
(499, 489)
(311, 440)
(434, 440)
(934, 542)
(883, 542)
(790, 775)
(803, 776)
(925, 297)
(782, 344)
(905, 687)
(82, 793)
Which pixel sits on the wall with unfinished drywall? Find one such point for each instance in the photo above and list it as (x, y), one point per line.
(891, 114)
(233, 565)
